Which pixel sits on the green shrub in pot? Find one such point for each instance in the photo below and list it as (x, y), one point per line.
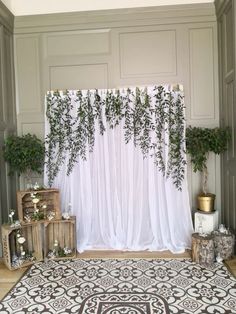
(24, 154)
(199, 143)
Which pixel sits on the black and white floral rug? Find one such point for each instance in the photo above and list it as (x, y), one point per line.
(122, 286)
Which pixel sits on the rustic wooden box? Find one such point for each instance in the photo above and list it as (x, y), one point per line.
(60, 234)
(48, 206)
(33, 244)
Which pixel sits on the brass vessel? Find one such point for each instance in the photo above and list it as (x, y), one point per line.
(206, 202)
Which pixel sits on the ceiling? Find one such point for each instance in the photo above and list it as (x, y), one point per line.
(32, 7)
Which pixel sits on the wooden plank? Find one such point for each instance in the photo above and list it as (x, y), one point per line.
(60, 236)
(30, 239)
(50, 237)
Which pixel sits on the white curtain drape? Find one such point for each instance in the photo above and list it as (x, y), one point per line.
(121, 200)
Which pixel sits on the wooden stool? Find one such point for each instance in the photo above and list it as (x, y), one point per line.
(203, 249)
(224, 244)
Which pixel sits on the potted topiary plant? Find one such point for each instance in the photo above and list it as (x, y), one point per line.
(24, 154)
(199, 143)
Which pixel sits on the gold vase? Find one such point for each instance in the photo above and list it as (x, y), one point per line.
(206, 202)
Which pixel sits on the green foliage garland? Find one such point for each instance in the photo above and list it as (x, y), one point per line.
(155, 124)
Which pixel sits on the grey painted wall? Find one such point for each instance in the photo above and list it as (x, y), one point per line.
(226, 12)
(107, 49)
(7, 110)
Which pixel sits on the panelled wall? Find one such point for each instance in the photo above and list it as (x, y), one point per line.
(226, 12)
(7, 111)
(109, 49)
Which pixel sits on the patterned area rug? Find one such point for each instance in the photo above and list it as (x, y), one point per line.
(122, 286)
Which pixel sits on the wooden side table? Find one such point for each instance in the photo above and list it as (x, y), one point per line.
(203, 249)
(224, 244)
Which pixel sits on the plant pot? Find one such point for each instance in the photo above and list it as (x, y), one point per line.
(206, 202)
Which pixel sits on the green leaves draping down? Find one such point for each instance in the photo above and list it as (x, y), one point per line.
(153, 118)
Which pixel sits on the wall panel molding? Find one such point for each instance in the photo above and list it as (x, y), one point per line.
(203, 75)
(27, 66)
(36, 128)
(161, 15)
(2, 74)
(221, 6)
(159, 45)
(6, 17)
(87, 42)
(226, 13)
(83, 76)
(7, 111)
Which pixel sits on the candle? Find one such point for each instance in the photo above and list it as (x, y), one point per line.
(11, 214)
(56, 247)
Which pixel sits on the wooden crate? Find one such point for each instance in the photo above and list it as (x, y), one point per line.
(48, 198)
(11, 248)
(64, 233)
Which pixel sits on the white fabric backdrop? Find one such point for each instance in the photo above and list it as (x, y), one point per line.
(122, 201)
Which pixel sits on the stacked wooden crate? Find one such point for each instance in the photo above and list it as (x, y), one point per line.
(48, 205)
(41, 232)
(11, 248)
(60, 238)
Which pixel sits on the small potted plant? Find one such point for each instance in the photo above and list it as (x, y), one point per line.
(199, 143)
(24, 154)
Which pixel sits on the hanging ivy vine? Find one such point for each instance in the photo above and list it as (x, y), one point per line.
(152, 118)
